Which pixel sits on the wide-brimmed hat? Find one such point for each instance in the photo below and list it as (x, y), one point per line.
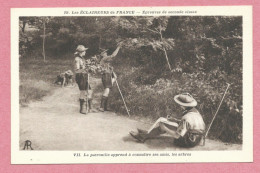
(80, 48)
(185, 100)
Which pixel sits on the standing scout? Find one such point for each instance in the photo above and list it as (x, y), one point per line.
(82, 79)
(108, 77)
(187, 132)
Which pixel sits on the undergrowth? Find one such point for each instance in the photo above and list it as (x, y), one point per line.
(151, 94)
(37, 77)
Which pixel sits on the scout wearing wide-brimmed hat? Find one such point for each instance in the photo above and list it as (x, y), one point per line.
(80, 49)
(108, 76)
(82, 79)
(187, 132)
(185, 100)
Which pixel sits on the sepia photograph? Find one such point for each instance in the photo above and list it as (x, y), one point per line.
(149, 82)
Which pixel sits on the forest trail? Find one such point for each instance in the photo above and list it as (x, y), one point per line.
(56, 124)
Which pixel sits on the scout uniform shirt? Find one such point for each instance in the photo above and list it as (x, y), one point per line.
(105, 64)
(192, 120)
(80, 64)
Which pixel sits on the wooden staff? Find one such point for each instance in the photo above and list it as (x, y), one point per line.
(122, 98)
(216, 112)
(87, 94)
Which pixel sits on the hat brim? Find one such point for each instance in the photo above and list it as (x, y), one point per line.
(191, 104)
(81, 50)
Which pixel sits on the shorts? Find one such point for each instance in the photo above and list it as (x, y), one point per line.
(188, 140)
(107, 80)
(82, 81)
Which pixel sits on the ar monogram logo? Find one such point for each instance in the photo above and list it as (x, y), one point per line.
(27, 144)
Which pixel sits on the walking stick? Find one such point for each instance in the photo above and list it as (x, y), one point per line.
(123, 99)
(87, 94)
(216, 113)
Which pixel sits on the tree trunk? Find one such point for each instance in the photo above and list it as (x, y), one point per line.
(99, 44)
(167, 59)
(43, 41)
(24, 24)
(165, 53)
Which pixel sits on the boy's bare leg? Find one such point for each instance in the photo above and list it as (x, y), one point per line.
(155, 129)
(63, 82)
(155, 132)
(90, 98)
(156, 124)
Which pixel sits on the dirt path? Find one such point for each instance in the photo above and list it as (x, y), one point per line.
(56, 124)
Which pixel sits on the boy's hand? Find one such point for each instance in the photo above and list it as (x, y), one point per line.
(168, 116)
(173, 119)
(114, 75)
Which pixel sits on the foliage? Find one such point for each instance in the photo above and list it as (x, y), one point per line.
(203, 52)
(207, 54)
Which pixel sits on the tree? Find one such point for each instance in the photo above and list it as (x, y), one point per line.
(39, 23)
(42, 22)
(146, 31)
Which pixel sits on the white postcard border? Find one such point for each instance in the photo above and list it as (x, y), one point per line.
(62, 157)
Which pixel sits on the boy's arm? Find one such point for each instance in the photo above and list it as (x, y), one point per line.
(64, 80)
(109, 57)
(173, 119)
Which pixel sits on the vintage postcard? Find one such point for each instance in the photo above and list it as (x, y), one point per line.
(131, 85)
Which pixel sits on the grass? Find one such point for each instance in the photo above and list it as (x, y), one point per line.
(37, 77)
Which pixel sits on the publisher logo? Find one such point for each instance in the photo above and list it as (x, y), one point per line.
(27, 145)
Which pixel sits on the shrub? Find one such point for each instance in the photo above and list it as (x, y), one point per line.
(151, 95)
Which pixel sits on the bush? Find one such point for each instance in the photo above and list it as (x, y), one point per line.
(151, 95)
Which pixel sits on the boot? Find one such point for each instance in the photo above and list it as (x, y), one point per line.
(106, 104)
(90, 107)
(102, 104)
(83, 107)
(143, 135)
(139, 136)
(142, 131)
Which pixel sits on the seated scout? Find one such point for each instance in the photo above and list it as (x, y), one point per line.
(186, 133)
(65, 78)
